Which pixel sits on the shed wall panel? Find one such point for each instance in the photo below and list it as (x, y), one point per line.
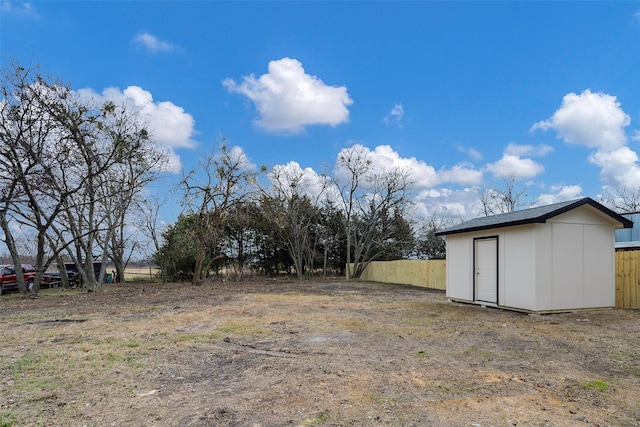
(459, 267)
(519, 269)
(599, 288)
(568, 266)
(543, 267)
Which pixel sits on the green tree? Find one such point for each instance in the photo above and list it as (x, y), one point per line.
(428, 245)
(241, 230)
(177, 255)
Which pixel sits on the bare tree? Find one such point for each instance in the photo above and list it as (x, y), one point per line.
(109, 159)
(226, 178)
(624, 200)
(507, 198)
(70, 158)
(151, 227)
(294, 210)
(137, 163)
(26, 133)
(369, 196)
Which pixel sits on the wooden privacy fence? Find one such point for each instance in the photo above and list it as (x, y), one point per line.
(432, 274)
(426, 273)
(628, 279)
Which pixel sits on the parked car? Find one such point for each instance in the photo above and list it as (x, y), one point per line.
(50, 279)
(8, 279)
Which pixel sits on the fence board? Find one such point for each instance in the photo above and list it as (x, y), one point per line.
(627, 279)
(432, 274)
(425, 273)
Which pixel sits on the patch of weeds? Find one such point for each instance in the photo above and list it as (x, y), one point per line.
(449, 388)
(375, 398)
(624, 355)
(33, 373)
(522, 355)
(43, 397)
(111, 357)
(444, 388)
(422, 354)
(475, 351)
(133, 362)
(133, 344)
(352, 323)
(177, 339)
(320, 419)
(7, 419)
(378, 398)
(244, 329)
(596, 384)
(21, 364)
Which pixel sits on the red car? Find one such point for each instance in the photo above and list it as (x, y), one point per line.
(8, 279)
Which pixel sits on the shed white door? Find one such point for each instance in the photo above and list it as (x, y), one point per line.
(486, 266)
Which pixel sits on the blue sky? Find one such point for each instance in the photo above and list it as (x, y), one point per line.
(458, 92)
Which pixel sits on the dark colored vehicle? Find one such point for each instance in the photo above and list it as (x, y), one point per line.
(49, 280)
(74, 276)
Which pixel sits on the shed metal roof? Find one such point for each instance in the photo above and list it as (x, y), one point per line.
(530, 216)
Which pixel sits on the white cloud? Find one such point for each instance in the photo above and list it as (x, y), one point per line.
(383, 157)
(471, 152)
(395, 116)
(457, 205)
(169, 125)
(291, 178)
(618, 167)
(512, 164)
(287, 99)
(597, 121)
(21, 8)
(463, 174)
(591, 119)
(241, 157)
(528, 150)
(152, 43)
(423, 175)
(560, 194)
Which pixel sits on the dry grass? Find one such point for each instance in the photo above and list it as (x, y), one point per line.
(141, 274)
(308, 353)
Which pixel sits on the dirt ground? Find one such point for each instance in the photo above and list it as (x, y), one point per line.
(312, 353)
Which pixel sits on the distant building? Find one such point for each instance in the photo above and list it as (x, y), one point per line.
(629, 238)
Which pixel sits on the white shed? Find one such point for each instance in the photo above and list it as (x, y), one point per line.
(558, 257)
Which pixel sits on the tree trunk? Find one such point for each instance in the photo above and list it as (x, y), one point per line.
(197, 273)
(13, 251)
